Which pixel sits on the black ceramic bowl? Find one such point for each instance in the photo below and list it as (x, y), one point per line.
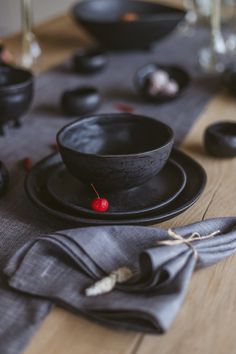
(82, 100)
(89, 61)
(103, 20)
(142, 77)
(2, 61)
(16, 93)
(229, 78)
(220, 139)
(115, 151)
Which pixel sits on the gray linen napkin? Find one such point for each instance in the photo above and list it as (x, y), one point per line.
(60, 266)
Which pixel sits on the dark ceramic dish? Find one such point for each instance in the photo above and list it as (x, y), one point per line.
(3, 62)
(82, 100)
(229, 78)
(89, 61)
(220, 139)
(158, 192)
(35, 186)
(142, 77)
(115, 151)
(103, 20)
(16, 93)
(4, 179)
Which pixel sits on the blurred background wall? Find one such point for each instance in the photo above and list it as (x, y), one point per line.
(10, 17)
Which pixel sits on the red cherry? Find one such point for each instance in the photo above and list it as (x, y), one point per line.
(100, 204)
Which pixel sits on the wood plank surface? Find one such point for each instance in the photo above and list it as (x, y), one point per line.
(206, 323)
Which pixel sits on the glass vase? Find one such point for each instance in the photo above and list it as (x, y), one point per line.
(211, 58)
(31, 50)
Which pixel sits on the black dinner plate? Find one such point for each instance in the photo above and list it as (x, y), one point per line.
(152, 195)
(35, 186)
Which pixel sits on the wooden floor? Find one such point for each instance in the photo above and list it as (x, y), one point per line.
(206, 323)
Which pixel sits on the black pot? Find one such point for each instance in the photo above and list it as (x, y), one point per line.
(229, 78)
(220, 139)
(89, 61)
(16, 93)
(82, 100)
(115, 151)
(103, 20)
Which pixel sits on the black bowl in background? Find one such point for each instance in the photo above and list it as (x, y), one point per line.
(89, 61)
(82, 100)
(220, 139)
(115, 151)
(2, 61)
(16, 93)
(229, 78)
(141, 81)
(102, 19)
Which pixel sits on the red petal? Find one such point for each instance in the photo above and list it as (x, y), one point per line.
(123, 107)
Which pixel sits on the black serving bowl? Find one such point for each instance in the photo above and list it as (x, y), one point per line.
(82, 100)
(142, 77)
(16, 93)
(103, 20)
(220, 139)
(115, 151)
(89, 61)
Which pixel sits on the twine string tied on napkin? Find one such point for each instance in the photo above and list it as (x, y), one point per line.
(178, 240)
(123, 274)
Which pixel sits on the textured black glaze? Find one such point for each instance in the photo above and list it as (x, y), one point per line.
(220, 139)
(4, 179)
(89, 61)
(115, 151)
(82, 100)
(158, 192)
(102, 19)
(141, 81)
(16, 93)
(35, 186)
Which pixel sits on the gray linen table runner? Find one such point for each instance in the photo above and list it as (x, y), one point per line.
(20, 222)
(61, 265)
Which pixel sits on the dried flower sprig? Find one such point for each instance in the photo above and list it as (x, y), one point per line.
(106, 284)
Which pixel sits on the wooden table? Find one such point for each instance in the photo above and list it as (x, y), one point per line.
(206, 323)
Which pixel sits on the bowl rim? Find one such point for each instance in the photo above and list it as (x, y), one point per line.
(19, 85)
(82, 91)
(89, 53)
(64, 129)
(216, 130)
(171, 16)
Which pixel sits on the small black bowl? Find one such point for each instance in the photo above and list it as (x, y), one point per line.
(16, 93)
(142, 80)
(89, 61)
(220, 139)
(229, 78)
(103, 19)
(82, 100)
(115, 151)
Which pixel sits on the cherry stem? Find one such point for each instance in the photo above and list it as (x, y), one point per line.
(95, 191)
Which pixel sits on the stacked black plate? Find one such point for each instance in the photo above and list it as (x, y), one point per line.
(176, 188)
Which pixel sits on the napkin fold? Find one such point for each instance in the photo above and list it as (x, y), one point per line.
(62, 265)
